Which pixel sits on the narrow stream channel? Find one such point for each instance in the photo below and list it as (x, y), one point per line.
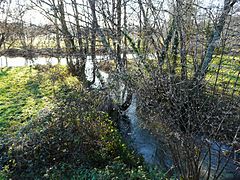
(143, 141)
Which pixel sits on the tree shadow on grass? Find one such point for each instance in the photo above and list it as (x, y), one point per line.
(33, 86)
(4, 71)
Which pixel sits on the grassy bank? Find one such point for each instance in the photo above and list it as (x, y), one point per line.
(22, 94)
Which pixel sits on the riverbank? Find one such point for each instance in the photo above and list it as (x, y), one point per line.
(38, 107)
(32, 53)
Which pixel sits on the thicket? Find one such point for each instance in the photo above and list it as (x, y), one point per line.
(188, 118)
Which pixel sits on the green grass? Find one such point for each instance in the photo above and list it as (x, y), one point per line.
(114, 171)
(228, 73)
(228, 70)
(23, 92)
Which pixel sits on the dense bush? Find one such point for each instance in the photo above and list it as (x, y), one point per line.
(115, 170)
(188, 118)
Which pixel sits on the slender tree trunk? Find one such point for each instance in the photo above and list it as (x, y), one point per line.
(58, 46)
(69, 42)
(113, 25)
(93, 39)
(166, 44)
(175, 53)
(125, 38)
(182, 33)
(119, 36)
(143, 28)
(79, 32)
(183, 55)
(2, 39)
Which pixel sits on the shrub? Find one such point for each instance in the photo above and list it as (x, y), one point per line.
(73, 133)
(115, 170)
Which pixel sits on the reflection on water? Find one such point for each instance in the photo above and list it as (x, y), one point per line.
(21, 61)
(143, 141)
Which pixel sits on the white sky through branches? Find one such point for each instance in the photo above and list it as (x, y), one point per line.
(34, 17)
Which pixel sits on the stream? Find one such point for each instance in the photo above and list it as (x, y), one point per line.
(140, 139)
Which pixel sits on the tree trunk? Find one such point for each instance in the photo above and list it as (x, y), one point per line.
(119, 36)
(93, 40)
(216, 34)
(125, 38)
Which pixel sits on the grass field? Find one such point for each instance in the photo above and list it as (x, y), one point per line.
(23, 92)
